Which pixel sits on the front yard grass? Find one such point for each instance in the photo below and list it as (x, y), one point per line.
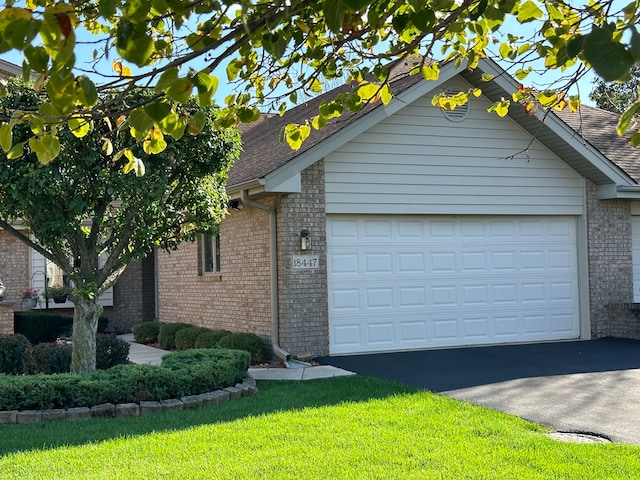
(343, 428)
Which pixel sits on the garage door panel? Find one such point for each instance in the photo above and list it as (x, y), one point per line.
(401, 282)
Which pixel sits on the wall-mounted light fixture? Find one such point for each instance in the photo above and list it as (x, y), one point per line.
(305, 239)
(235, 205)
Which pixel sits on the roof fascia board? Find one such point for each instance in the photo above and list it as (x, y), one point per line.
(614, 192)
(580, 145)
(281, 175)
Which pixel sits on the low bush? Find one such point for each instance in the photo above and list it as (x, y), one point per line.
(146, 332)
(50, 358)
(186, 337)
(167, 334)
(210, 338)
(12, 353)
(182, 373)
(249, 342)
(208, 369)
(46, 326)
(47, 358)
(110, 351)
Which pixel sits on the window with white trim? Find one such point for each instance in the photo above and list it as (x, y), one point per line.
(209, 254)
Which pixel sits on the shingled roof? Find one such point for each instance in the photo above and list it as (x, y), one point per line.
(263, 153)
(598, 127)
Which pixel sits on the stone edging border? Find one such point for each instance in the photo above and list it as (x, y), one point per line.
(107, 410)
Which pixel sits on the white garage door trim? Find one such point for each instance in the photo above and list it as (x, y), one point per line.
(412, 282)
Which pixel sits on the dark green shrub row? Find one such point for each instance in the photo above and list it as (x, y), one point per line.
(167, 334)
(17, 356)
(181, 373)
(182, 336)
(46, 326)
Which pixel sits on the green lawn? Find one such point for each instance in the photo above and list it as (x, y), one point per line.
(343, 428)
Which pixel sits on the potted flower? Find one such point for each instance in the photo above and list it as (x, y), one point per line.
(30, 297)
(58, 293)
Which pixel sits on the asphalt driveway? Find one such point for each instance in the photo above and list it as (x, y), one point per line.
(588, 387)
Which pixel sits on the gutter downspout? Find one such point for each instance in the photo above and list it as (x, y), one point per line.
(273, 264)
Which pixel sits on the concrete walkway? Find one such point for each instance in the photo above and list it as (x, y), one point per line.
(153, 356)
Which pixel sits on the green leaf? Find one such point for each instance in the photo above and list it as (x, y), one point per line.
(173, 125)
(431, 72)
(626, 117)
(139, 120)
(46, 148)
(248, 115)
(155, 143)
(38, 58)
(79, 126)
(196, 123)
(86, 91)
(635, 44)
(424, 20)
(166, 79)
(234, 67)
(295, 135)
(157, 110)
(6, 137)
(574, 46)
(528, 12)
(133, 44)
(609, 58)
(354, 5)
(501, 107)
(16, 151)
(180, 90)
(333, 13)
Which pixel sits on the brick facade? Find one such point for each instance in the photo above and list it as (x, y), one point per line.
(610, 267)
(236, 299)
(15, 268)
(304, 313)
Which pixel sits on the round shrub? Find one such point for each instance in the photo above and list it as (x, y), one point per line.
(186, 337)
(111, 351)
(210, 338)
(13, 349)
(249, 342)
(146, 332)
(167, 334)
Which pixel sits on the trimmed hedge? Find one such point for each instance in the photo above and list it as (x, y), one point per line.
(190, 373)
(146, 332)
(47, 358)
(167, 334)
(46, 326)
(249, 342)
(186, 337)
(210, 338)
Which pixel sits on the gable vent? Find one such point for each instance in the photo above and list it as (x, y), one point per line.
(459, 113)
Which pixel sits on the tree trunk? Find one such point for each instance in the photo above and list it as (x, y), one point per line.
(85, 329)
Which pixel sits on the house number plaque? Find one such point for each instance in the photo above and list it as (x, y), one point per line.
(300, 262)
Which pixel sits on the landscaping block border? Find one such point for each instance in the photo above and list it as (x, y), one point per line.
(109, 410)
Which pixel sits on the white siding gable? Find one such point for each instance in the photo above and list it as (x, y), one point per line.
(418, 162)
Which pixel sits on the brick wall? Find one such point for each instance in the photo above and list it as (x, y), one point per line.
(133, 296)
(238, 298)
(610, 267)
(304, 327)
(14, 267)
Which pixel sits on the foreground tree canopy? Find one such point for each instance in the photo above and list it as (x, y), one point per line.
(277, 50)
(92, 221)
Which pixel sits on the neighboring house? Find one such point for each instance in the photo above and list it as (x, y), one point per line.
(425, 229)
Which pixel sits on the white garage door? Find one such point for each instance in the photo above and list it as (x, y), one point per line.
(399, 283)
